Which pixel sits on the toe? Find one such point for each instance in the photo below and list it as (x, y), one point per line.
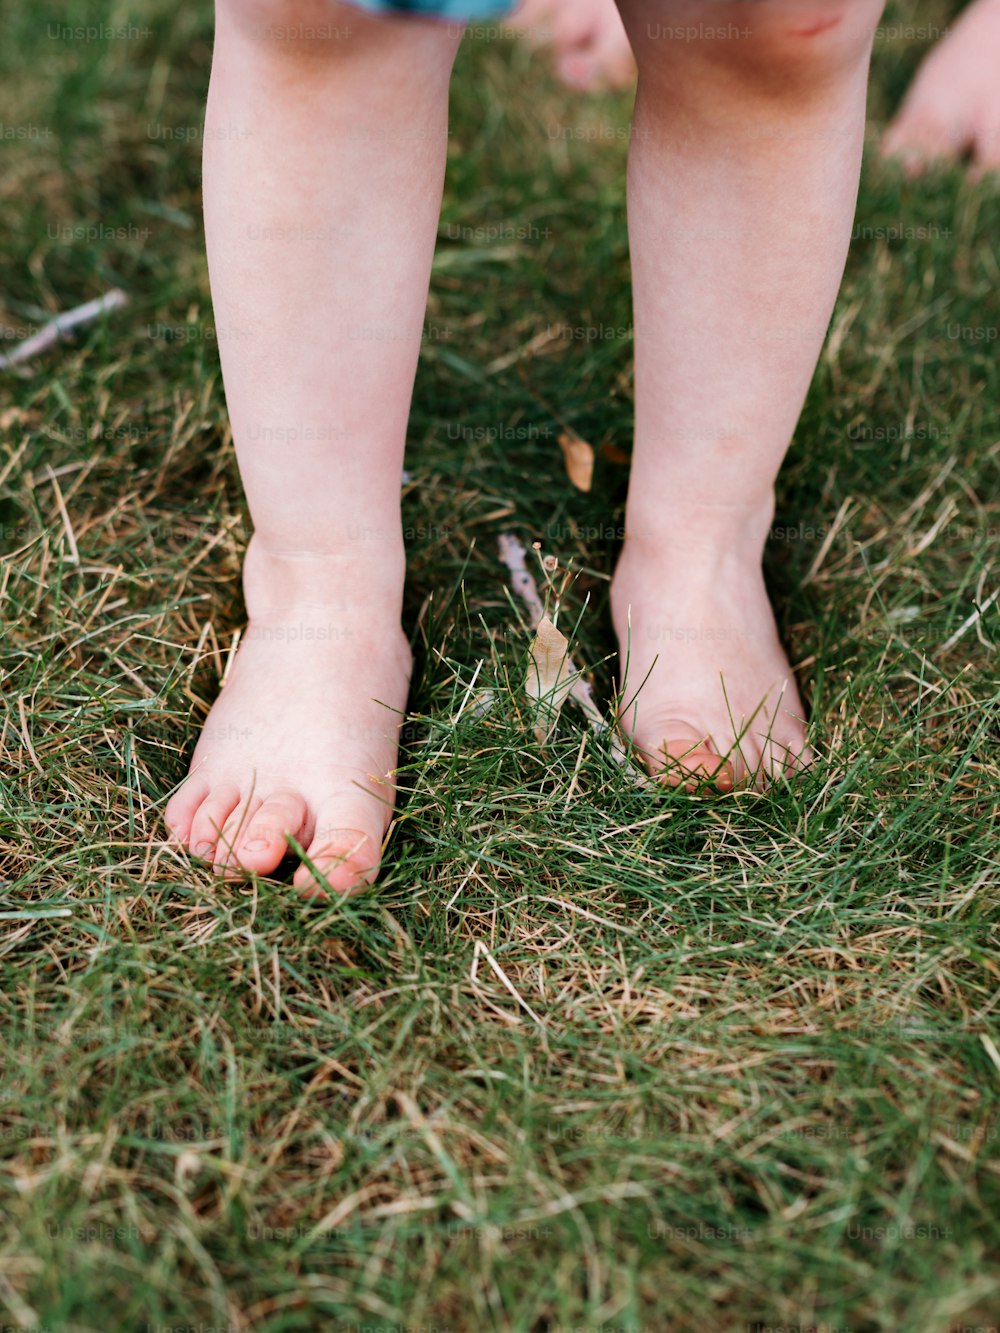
(210, 819)
(233, 830)
(782, 755)
(345, 859)
(183, 806)
(691, 765)
(261, 843)
(685, 757)
(345, 847)
(798, 757)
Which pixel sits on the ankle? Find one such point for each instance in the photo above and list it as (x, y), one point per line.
(366, 577)
(702, 532)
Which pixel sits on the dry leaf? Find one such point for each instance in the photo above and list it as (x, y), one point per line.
(578, 456)
(550, 677)
(613, 454)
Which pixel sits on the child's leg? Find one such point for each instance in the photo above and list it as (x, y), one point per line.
(325, 141)
(742, 183)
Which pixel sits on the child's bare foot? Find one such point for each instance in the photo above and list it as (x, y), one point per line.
(953, 105)
(302, 740)
(591, 48)
(719, 699)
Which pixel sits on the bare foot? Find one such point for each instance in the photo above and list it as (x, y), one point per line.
(591, 48)
(953, 105)
(303, 738)
(709, 693)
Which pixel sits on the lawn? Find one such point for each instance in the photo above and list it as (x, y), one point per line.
(593, 1057)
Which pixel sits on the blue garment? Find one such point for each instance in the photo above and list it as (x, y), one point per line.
(455, 10)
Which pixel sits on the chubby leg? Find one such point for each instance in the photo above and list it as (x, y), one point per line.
(325, 140)
(743, 177)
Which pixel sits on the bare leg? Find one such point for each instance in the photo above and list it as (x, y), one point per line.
(742, 185)
(324, 165)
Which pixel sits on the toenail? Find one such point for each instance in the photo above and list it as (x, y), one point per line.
(256, 844)
(203, 849)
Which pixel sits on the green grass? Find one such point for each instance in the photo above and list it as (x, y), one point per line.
(592, 1057)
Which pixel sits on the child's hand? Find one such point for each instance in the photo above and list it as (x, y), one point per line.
(591, 48)
(953, 105)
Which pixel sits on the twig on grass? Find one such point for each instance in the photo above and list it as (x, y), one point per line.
(56, 329)
(514, 556)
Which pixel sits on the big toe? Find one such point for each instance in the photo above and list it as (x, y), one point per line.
(685, 756)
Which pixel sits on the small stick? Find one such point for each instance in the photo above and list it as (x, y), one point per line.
(74, 553)
(967, 624)
(514, 556)
(63, 324)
